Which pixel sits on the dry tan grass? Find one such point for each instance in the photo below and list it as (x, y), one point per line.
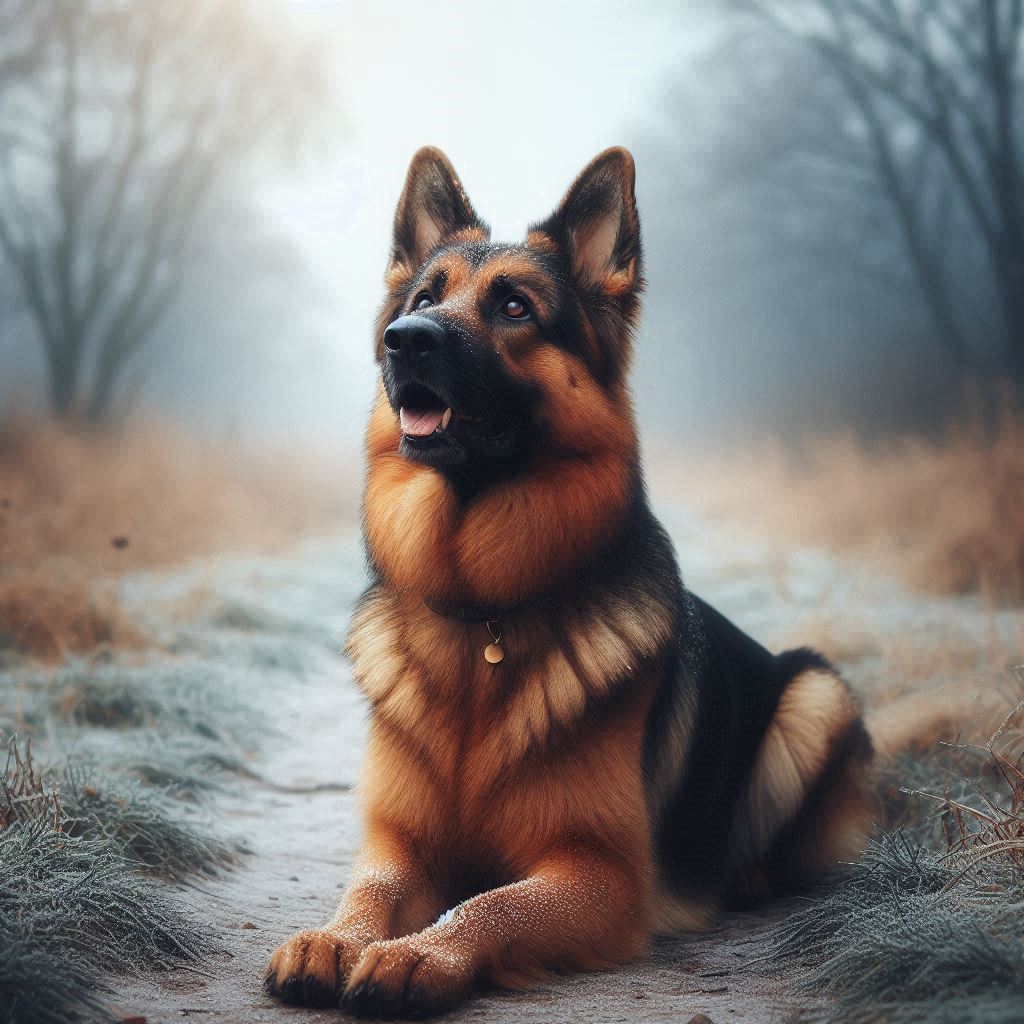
(25, 795)
(947, 515)
(905, 660)
(77, 510)
(50, 616)
(922, 686)
(995, 830)
(844, 640)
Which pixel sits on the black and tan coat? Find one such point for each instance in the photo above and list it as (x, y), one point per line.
(634, 763)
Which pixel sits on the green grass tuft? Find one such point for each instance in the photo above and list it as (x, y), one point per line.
(171, 698)
(927, 926)
(900, 940)
(141, 822)
(74, 904)
(74, 909)
(42, 985)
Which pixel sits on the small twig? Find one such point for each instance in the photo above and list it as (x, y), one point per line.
(981, 854)
(319, 787)
(1019, 669)
(195, 970)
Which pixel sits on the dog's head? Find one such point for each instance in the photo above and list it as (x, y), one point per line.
(490, 352)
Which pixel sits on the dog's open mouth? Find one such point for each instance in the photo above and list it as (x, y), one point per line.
(422, 413)
(437, 432)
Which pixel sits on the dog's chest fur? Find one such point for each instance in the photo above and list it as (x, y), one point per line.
(484, 758)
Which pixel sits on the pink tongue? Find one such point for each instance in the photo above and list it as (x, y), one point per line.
(419, 422)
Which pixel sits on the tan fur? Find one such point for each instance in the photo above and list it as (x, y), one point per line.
(451, 554)
(920, 720)
(522, 794)
(622, 281)
(409, 660)
(529, 280)
(541, 241)
(835, 829)
(674, 914)
(816, 712)
(583, 844)
(571, 880)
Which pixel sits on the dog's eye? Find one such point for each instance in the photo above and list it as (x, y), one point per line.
(422, 301)
(515, 309)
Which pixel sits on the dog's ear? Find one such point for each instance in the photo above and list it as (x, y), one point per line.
(433, 208)
(597, 225)
(597, 228)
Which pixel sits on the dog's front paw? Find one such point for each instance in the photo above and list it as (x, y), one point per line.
(410, 977)
(311, 967)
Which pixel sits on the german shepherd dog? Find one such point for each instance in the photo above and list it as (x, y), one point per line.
(565, 746)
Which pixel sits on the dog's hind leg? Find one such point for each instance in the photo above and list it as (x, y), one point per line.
(806, 804)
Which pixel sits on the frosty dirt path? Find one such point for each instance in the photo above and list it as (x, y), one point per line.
(298, 816)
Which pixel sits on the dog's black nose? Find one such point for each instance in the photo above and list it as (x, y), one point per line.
(412, 337)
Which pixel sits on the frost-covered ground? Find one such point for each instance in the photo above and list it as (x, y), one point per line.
(252, 714)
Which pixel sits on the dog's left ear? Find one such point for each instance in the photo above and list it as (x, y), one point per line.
(597, 225)
(433, 208)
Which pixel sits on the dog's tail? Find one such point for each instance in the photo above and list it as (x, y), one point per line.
(921, 719)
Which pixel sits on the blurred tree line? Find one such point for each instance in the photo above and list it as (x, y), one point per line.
(119, 121)
(851, 173)
(836, 193)
(931, 93)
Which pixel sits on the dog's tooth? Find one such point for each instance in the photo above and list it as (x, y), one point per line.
(446, 419)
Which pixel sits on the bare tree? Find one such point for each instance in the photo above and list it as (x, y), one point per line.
(23, 39)
(934, 90)
(119, 121)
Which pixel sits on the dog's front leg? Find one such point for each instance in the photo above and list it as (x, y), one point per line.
(577, 909)
(389, 895)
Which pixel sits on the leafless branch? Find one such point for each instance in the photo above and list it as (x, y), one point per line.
(186, 93)
(936, 85)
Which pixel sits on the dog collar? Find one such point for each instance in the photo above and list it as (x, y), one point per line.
(478, 614)
(494, 653)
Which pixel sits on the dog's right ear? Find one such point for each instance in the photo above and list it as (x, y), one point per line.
(433, 208)
(597, 226)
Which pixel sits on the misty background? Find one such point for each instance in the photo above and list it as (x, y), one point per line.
(196, 199)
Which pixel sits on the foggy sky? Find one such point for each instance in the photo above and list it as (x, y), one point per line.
(520, 97)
